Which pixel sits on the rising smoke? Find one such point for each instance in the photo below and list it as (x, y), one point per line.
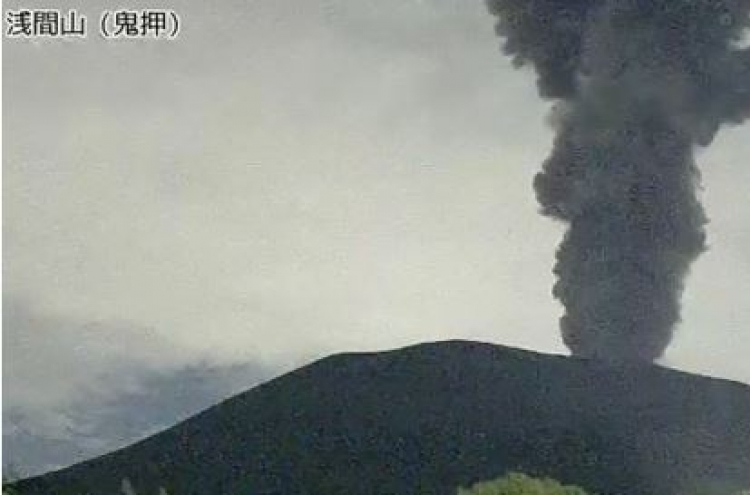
(637, 84)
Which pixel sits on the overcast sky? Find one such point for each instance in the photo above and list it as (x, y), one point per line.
(288, 179)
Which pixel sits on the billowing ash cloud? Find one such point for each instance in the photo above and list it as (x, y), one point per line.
(637, 84)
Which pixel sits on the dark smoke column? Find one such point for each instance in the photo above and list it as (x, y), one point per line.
(637, 85)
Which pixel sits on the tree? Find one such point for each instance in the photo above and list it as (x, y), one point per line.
(521, 484)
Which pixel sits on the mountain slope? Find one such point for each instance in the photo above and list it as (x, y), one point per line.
(428, 418)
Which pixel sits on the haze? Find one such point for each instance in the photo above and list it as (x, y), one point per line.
(286, 180)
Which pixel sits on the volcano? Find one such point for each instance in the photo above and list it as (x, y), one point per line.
(429, 418)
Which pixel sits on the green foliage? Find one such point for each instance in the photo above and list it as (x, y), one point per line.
(7, 479)
(126, 488)
(719, 489)
(7, 489)
(520, 484)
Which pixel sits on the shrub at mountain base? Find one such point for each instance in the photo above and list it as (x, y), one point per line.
(521, 484)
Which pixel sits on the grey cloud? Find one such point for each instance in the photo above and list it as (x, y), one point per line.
(49, 359)
(93, 426)
(74, 388)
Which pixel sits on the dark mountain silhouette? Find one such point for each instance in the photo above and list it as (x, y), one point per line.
(425, 419)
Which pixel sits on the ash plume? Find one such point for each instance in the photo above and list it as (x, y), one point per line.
(637, 85)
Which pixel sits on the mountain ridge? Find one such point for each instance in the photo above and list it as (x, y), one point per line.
(433, 416)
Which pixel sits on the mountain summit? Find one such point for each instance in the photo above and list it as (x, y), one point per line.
(428, 418)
